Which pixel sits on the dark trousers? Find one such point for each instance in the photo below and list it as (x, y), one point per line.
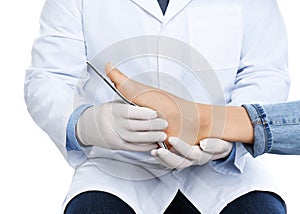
(94, 202)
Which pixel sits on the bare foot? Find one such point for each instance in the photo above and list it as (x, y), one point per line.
(181, 115)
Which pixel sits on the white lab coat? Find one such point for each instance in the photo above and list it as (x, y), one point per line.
(243, 40)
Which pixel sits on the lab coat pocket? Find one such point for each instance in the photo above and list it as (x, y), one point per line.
(215, 30)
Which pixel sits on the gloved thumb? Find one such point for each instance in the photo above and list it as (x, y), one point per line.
(215, 145)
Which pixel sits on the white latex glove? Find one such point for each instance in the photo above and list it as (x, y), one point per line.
(117, 125)
(187, 155)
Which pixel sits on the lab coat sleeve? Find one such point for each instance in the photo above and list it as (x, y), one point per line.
(58, 60)
(262, 76)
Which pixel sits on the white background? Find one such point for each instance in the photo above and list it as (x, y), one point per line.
(34, 176)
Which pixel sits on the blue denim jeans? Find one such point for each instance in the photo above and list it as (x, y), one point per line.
(95, 202)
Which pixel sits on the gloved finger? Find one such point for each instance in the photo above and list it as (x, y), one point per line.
(143, 137)
(161, 162)
(193, 153)
(133, 112)
(156, 124)
(170, 160)
(215, 146)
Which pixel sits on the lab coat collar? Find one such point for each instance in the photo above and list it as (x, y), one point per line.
(174, 7)
(152, 7)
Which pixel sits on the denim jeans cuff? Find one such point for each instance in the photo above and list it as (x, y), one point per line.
(263, 138)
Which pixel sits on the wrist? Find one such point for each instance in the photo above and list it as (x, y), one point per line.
(78, 137)
(80, 127)
(238, 126)
(204, 121)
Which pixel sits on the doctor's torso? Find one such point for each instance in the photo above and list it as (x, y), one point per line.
(215, 29)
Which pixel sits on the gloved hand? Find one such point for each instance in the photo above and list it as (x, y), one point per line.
(187, 155)
(116, 125)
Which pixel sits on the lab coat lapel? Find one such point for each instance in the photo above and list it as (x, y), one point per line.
(150, 6)
(174, 7)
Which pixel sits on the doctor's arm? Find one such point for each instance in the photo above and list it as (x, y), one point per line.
(51, 86)
(58, 60)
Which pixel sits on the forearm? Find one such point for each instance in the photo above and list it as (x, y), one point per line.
(233, 124)
(270, 128)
